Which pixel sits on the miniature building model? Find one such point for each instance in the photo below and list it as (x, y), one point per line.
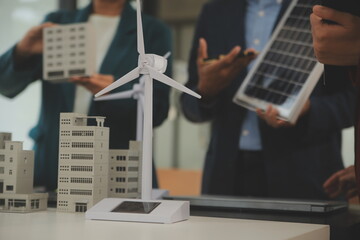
(83, 162)
(68, 50)
(124, 177)
(88, 170)
(17, 177)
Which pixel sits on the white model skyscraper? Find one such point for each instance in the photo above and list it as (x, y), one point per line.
(88, 170)
(69, 50)
(83, 162)
(17, 177)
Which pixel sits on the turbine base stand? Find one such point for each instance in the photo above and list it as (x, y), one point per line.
(138, 210)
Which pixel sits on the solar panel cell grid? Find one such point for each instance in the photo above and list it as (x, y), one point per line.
(285, 65)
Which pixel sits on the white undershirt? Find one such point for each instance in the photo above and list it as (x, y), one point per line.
(105, 29)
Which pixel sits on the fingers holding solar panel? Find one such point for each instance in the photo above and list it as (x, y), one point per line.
(287, 70)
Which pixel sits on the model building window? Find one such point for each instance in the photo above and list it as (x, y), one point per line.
(82, 145)
(11, 159)
(10, 172)
(11, 147)
(35, 204)
(2, 158)
(2, 202)
(133, 158)
(81, 180)
(63, 179)
(83, 133)
(80, 192)
(133, 179)
(120, 190)
(64, 156)
(82, 156)
(9, 187)
(63, 203)
(62, 191)
(120, 179)
(133, 169)
(80, 207)
(2, 170)
(132, 190)
(17, 203)
(81, 168)
(65, 133)
(120, 158)
(64, 168)
(120, 169)
(64, 144)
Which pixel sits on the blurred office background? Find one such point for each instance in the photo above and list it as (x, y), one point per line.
(178, 143)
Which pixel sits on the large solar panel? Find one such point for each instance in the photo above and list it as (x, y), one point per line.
(287, 70)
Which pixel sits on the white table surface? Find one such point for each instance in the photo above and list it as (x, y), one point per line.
(52, 225)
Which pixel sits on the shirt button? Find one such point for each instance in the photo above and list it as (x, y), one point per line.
(261, 13)
(245, 132)
(256, 41)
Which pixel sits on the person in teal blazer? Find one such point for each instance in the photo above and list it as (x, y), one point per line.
(22, 65)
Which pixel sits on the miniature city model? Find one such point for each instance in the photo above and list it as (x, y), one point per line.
(17, 177)
(69, 50)
(88, 170)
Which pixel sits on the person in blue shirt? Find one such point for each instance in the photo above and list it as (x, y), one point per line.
(256, 154)
(115, 24)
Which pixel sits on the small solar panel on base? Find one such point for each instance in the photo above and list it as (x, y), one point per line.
(286, 71)
(69, 50)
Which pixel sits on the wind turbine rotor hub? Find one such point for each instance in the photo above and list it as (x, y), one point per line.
(157, 62)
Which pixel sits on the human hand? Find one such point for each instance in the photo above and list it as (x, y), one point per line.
(335, 44)
(32, 42)
(271, 116)
(343, 181)
(93, 83)
(216, 75)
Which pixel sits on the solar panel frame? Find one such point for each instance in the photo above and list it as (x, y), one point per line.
(291, 113)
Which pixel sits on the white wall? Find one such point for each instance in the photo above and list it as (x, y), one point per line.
(18, 115)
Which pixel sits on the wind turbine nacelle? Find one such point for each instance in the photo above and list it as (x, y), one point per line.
(155, 61)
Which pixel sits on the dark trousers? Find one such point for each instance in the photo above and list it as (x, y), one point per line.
(250, 177)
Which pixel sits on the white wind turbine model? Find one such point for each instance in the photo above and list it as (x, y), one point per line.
(144, 210)
(137, 92)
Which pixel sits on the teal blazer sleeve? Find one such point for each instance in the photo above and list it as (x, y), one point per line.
(14, 78)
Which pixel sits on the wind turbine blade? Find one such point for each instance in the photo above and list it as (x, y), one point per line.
(140, 37)
(168, 81)
(114, 96)
(167, 55)
(121, 81)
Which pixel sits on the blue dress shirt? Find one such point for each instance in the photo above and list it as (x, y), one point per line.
(260, 18)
